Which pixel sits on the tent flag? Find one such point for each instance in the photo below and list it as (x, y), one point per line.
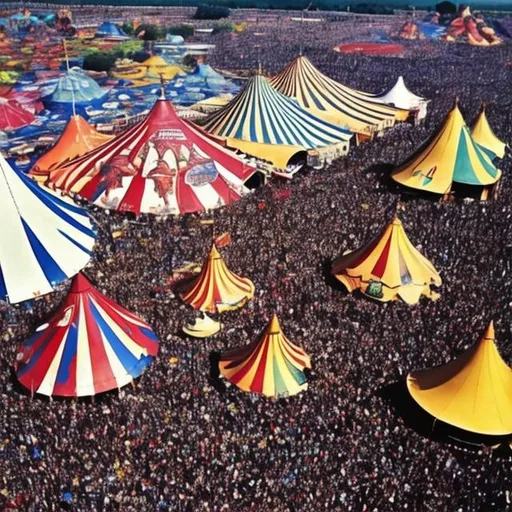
(262, 122)
(77, 139)
(483, 135)
(216, 288)
(388, 267)
(91, 345)
(332, 101)
(472, 392)
(271, 365)
(163, 165)
(450, 156)
(47, 238)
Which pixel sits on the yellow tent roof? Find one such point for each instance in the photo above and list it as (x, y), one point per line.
(78, 138)
(482, 134)
(216, 288)
(157, 66)
(202, 327)
(451, 155)
(388, 267)
(272, 365)
(473, 392)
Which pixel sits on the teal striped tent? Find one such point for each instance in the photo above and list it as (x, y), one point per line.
(264, 123)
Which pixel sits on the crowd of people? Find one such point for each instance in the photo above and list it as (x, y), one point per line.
(177, 441)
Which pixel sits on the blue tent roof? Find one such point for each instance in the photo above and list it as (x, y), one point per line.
(110, 29)
(206, 77)
(76, 86)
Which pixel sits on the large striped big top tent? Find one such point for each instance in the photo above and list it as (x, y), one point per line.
(473, 392)
(78, 138)
(266, 124)
(216, 288)
(91, 345)
(450, 156)
(163, 165)
(483, 135)
(46, 239)
(388, 267)
(334, 102)
(271, 365)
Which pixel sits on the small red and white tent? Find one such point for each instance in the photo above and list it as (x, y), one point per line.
(13, 115)
(163, 165)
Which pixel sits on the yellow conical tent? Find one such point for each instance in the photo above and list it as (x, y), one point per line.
(451, 155)
(216, 288)
(158, 68)
(388, 267)
(482, 134)
(77, 139)
(272, 365)
(473, 392)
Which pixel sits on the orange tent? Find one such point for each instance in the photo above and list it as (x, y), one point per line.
(216, 288)
(77, 139)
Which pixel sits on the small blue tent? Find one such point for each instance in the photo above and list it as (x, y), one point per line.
(110, 30)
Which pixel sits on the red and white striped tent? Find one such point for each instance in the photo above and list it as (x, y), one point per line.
(163, 165)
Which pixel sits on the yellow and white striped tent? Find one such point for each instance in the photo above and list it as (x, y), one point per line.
(450, 156)
(266, 124)
(472, 392)
(334, 102)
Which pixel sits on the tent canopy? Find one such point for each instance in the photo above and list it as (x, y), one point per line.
(216, 288)
(399, 96)
(483, 135)
(47, 239)
(388, 267)
(76, 87)
(111, 30)
(77, 139)
(260, 115)
(473, 392)
(13, 115)
(91, 345)
(333, 101)
(272, 365)
(163, 165)
(450, 156)
(157, 67)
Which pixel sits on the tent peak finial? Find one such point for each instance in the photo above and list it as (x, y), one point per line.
(489, 332)
(456, 102)
(162, 87)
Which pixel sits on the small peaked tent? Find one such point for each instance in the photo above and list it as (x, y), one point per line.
(13, 115)
(262, 122)
(110, 30)
(202, 327)
(162, 165)
(483, 135)
(216, 288)
(158, 68)
(91, 345)
(388, 267)
(46, 239)
(76, 87)
(332, 101)
(77, 139)
(450, 156)
(473, 392)
(401, 97)
(205, 76)
(271, 365)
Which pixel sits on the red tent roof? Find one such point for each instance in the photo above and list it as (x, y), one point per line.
(13, 115)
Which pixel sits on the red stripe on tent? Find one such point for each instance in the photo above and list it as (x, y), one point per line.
(380, 266)
(133, 198)
(185, 196)
(259, 376)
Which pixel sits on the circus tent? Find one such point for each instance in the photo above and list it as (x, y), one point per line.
(388, 267)
(271, 365)
(76, 87)
(13, 115)
(46, 239)
(266, 124)
(401, 97)
(483, 135)
(472, 392)
(91, 345)
(77, 139)
(450, 156)
(216, 288)
(157, 68)
(163, 165)
(110, 30)
(334, 102)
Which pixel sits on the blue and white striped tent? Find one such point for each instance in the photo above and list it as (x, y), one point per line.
(262, 122)
(45, 238)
